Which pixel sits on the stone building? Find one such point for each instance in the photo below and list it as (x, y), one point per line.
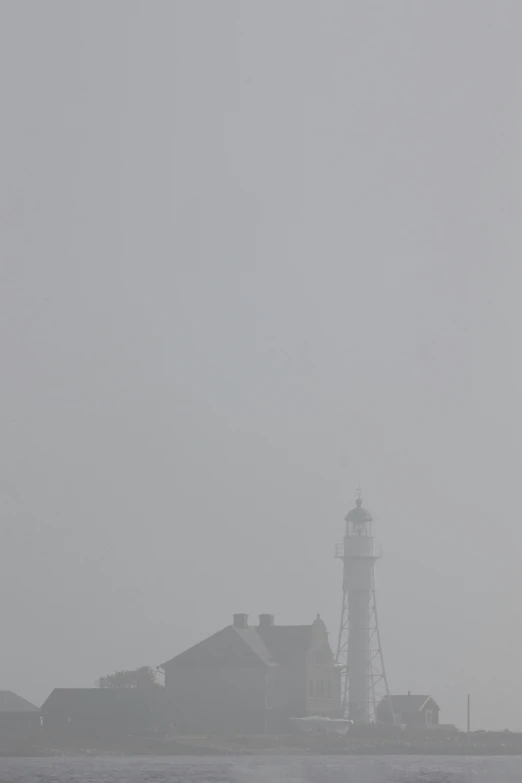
(253, 679)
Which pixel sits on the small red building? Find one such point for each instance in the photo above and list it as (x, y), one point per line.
(409, 710)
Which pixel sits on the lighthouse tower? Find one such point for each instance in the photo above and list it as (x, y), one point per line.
(359, 647)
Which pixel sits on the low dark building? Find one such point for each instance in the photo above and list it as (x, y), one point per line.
(253, 679)
(18, 717)
(106, 712)
(411, 710)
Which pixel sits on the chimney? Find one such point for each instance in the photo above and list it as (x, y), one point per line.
(240, 621)
(266, 620)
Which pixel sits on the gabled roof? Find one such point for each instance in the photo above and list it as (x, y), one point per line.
(286, 642)
(86, 698)
(10, 702)
(255, 642)
(250, 646)
(229, 647)
(409, 702)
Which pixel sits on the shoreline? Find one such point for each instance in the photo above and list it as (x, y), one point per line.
(482, 744)
(223, 754)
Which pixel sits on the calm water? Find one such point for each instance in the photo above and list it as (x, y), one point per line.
(390, 769)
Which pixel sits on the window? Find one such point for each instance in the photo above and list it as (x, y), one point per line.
(329, 685)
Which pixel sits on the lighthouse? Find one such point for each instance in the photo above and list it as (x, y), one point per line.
(359, 652)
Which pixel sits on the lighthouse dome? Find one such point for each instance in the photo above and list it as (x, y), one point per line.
(359, 515)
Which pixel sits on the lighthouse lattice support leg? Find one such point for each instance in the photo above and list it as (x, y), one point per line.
(378, 680)
(342, 654)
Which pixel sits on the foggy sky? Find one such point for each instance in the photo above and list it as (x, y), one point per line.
(255, 252)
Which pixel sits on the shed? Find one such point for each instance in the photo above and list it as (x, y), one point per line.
(18, 717)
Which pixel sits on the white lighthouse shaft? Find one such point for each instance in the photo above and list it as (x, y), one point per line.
(358, 651)
(358, 583)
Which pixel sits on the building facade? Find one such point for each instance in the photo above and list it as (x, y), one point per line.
(105, 713)
(253, 679)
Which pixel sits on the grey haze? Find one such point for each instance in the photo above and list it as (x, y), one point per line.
(253, 253)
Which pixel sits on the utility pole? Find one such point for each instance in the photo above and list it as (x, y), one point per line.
(469, 713)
